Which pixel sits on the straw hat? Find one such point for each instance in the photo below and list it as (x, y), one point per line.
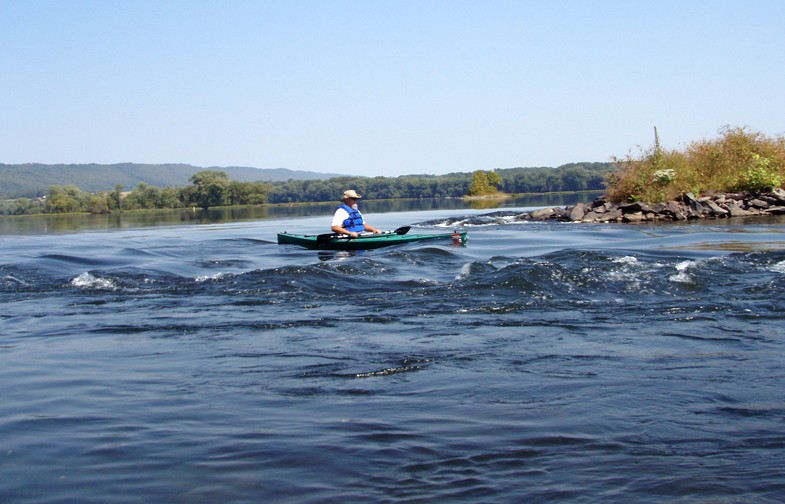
(350, 194)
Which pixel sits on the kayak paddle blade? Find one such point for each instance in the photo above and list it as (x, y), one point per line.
(324, 238)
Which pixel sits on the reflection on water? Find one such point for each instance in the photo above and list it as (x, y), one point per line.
(45, 224)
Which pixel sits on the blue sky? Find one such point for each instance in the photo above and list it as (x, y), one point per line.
(381, 87)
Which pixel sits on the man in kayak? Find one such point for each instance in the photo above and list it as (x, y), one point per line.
(347, 219)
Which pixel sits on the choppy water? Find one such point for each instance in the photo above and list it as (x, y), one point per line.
(541, 362)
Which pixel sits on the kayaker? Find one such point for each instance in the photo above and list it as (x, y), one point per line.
(347, 219)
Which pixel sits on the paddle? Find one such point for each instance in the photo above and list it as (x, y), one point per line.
(326, 237)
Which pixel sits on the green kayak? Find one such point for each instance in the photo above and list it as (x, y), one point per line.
(364, 242)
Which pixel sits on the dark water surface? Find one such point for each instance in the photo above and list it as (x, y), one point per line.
(541, 362)
(68, 223)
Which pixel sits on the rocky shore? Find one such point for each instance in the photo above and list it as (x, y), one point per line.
(688, 206)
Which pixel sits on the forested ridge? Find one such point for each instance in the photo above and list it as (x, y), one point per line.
(211, 188)
(32, 180)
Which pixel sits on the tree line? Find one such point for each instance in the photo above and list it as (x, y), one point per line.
(212, 188)
(569, 178)
(209, 188)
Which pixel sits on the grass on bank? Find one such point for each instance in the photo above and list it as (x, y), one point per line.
(739, 160)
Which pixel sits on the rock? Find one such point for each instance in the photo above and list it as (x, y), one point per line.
(590, 217)
(577, 212)
(779, 195)
(757, 203)
(675, 210)
(693, 202)
(613, 215)
(687, 206)
(634, 207)
(659, 208)
(715, 209)
(736, 211)
(633, 217)
(542, 214)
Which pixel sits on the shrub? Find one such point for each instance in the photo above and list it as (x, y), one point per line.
(738, 160)
(759, 176)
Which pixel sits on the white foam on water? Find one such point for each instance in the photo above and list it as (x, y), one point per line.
(8, 280)
(208, 278)
(626, 260)
(632, 271)
(682, 275)
(88, 281)
(466, 270)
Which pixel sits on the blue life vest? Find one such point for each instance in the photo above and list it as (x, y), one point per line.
(355, 221)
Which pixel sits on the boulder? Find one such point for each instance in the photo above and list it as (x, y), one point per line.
(613, 215)
(636, 206)
(736, 211)
(590, 217)
(577, 212)
(542, 214)
(675, 210)
(693, 202)
(633, 217)
(779, 195)
(714, 209)
(758, 203)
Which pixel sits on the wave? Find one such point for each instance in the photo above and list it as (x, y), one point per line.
(489, 219)
(600, 274)
(9, 281)
(405, 274)
(88, 281)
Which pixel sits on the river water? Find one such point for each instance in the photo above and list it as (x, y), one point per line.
(541, 362)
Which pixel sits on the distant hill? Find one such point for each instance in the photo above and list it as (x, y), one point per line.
(34, 179)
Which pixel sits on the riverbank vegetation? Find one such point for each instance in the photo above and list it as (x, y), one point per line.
(214, 188)
(739, 160)
(484, 183)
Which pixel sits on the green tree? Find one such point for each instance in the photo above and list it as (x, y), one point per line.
(96, 204)
(170, 197)
(212, 188)
(145, 196)
(248, 193)
(574, 178)
(65, 199)
(484, 183)
(114, 199)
